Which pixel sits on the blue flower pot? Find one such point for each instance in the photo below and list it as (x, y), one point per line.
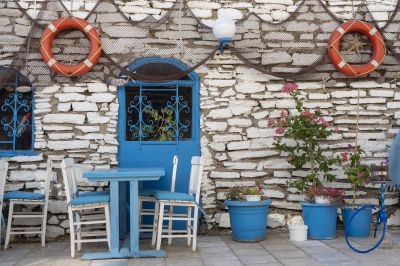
(360, 225)
(320, 219)
(248, 219)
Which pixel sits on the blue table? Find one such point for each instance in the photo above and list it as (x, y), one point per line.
(118, 176)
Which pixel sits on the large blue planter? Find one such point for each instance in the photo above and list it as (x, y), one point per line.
(360, 225)
(320, 219)
(248, 219)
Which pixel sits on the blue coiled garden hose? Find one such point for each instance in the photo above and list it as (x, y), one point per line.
(381, 219)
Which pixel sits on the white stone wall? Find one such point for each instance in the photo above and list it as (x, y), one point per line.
(80, 120)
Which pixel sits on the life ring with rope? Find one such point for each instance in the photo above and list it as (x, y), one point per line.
(378, 47)
(67, 23)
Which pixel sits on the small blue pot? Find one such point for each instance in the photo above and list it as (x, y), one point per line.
(320, 219)
(248, 219)
(360, 225)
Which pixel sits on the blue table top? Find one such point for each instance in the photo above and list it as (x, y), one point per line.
(125, 174)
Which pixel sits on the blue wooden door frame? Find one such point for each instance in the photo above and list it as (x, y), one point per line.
(160, 153)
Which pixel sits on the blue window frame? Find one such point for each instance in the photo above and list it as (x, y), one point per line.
(16, 113)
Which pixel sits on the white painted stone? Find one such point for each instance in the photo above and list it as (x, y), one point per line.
(240, 165)
(59, 136)
(240, 155)
(222, 219)
(101, 98)
(70, 97)
(57, 206)
(239, 122)
(220, 113)
(238, 145)
(297, 219)
(253, 174)
(64, 119)
(228, 175)
(95, 118)
(216, 126)
(68, 145)
(34, 158)
(394, 219)
(54, 232)
(88, 129)
(274, 194)
(249, 87)
(97, 87)
(64, 107)
(84, 107)
(107, 149)
(276, 220)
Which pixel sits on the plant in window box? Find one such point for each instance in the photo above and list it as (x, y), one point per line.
(358, 174)
(300, 134)
(248, 219)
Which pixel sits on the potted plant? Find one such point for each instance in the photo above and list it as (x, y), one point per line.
(358, 175)
(300, 134)
(248, 218)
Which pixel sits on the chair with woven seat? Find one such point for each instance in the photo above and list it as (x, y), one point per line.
(88, 213)
(146, 196)
(190, 200)
(3, 176)
(23, 204)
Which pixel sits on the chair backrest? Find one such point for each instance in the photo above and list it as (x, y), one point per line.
(3, 177)
(196, 173)
(68, 172)
(174, 169)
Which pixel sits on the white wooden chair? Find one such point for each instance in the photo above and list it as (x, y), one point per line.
(147, 195)
(22, 205)
(88, 213)
(3, 176)
(190, 200)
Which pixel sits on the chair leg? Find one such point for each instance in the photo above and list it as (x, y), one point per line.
(44, 225)
(71, 231)
(107, 216)
(160, 225)
(78, 231)
(189, 225)
(195, 222)
(170, 223)
(9, 223)
(155, 223)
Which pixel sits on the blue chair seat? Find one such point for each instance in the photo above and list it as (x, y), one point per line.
(147, 192)
(91, 199)
(93, 193)
(23, 195)
(168, 195)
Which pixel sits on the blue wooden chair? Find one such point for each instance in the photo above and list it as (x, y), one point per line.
(190, 200)
(147, 195)
(88, 213)
(3, 176)
(22, 205)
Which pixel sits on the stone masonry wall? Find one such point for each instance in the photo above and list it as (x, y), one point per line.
(80, 120)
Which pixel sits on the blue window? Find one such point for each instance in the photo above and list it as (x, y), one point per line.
(16, 113)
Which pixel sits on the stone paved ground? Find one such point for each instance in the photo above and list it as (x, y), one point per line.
(220, 250)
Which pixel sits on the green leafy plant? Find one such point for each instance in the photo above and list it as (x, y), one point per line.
(308, 128)
(357, 173)
(335, 195)
(239, 193)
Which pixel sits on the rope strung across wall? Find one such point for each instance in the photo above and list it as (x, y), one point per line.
(295, 48)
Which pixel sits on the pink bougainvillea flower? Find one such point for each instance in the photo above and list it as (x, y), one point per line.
(344, 156)
(317, 108)
(307, 114)
(350, 146)
(290, 87)
(271, 122)
(283, 114)
(280, 130)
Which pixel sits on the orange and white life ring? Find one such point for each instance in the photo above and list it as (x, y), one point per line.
(62, 24)
(378, 46)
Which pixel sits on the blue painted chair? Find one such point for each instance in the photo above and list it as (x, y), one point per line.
(190, 200)
(3, 176)
(146, 196)
(88, 213)
(22, 205)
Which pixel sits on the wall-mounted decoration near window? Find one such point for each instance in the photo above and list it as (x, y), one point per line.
(16, 113)
(68, 23)
(294, 48)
